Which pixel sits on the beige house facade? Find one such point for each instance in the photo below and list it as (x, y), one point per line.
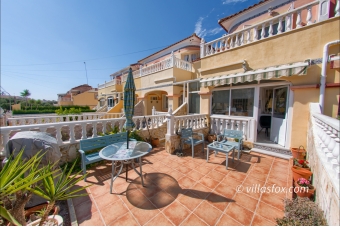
(83, 95)
(276, 58)
(270, 67)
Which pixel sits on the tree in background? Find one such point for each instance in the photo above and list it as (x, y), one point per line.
(38, 103)
(25, 93)
(32, 102)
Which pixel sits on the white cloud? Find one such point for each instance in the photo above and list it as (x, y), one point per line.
(232, 1)
(214, 31)
(198, 27)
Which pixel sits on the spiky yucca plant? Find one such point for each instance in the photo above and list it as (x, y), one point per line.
(61, 190)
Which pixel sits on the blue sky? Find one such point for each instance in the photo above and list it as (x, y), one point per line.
(44, 44)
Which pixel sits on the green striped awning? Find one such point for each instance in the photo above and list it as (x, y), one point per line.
(298, 68)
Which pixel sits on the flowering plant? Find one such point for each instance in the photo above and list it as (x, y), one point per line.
(304, 183)
(301, 163)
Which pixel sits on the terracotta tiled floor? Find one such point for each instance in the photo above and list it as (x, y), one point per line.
(187, 191)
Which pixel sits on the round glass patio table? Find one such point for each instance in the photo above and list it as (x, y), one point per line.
(120, 152)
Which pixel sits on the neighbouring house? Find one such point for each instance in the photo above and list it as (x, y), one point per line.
(162, 79)
(83, 95)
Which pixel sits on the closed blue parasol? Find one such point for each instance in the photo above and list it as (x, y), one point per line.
(129, 102)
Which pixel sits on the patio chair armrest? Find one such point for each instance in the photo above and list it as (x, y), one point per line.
(201, 134)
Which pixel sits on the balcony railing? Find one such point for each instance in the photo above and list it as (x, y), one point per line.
(168, 63)
(260, 31)
(246, 125)
(115, 81)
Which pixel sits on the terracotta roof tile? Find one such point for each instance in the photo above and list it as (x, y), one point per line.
(233, 15)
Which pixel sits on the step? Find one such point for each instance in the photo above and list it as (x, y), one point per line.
(271, 153)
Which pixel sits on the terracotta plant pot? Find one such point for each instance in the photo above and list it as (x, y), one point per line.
(299, 153)
(155, 142)
(301, 192)
(299, 172)
(211, 138)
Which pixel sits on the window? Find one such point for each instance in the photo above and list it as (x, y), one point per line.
(241, 102)
(110, 102)
(165, 102)
(194, 97)
(220, 102)
(194, 103)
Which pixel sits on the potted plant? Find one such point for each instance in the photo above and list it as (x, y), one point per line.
(304, 188)
(212, 137)
(299, 153)
(22, 178)
(301, 169)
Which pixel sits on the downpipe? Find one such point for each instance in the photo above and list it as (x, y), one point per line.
(323, 74)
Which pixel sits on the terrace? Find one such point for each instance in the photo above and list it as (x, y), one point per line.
(191, 191)
(187, 191)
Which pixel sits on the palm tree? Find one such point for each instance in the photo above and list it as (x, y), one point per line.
(25, 93)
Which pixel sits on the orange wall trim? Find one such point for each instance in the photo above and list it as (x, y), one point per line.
(329, 85)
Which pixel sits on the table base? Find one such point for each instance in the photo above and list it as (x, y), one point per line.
(114, 176)
(216, 149)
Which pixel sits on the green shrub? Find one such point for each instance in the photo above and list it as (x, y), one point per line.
(301, 212)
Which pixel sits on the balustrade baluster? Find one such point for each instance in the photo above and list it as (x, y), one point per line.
(237, 41)
(216, 47)
(298, 20)
(244, 129)
(232, 124)
(58, 134)
(263, 33)
(248, 36)
(231, 42)
(83, 131)
(5, 138)
(288, 22)
(242, 39)
(309, 15)
(94, 130)
(104, 126)
(72, 135)
(279, 26)
(270, 31)
(255, 34)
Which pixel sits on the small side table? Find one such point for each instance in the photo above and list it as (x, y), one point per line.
(220, 147)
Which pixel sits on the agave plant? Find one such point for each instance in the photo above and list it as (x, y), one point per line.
(19, 179)
(61, 190)
(15, 178)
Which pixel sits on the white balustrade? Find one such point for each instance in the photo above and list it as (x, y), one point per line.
(152, 121)
(236, 39)
(219, 123)
(195, 121)
(327, 134)
(45, 119)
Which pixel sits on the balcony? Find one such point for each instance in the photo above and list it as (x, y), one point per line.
(314, 13)
(171, 62)
(113, 82)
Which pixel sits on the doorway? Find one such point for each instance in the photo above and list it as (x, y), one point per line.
(273, 115)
